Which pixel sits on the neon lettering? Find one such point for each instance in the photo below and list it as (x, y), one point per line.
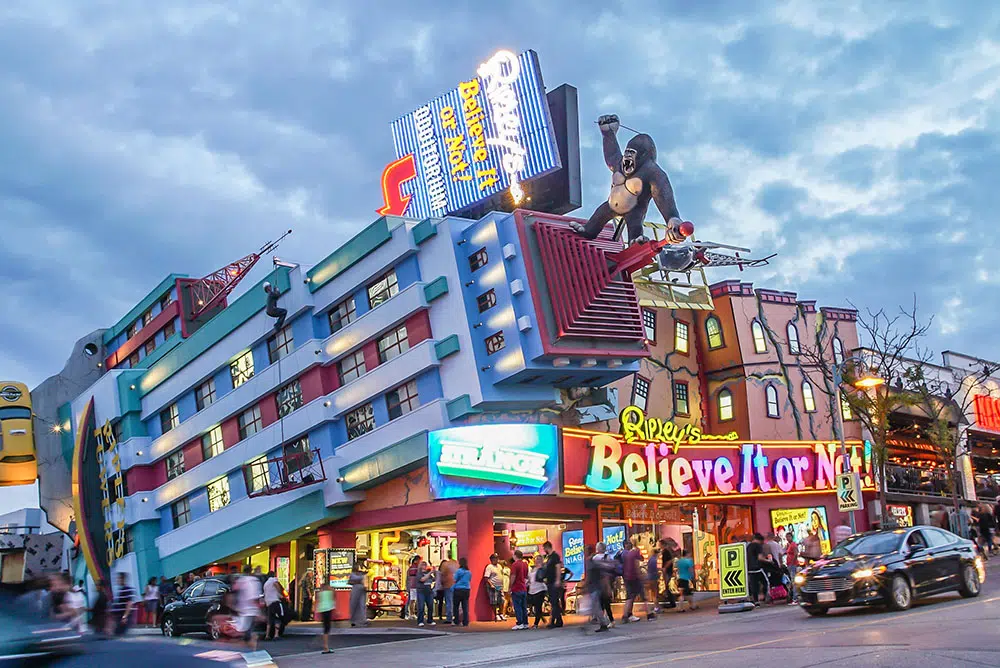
(760, 464)
(801, 465)
(681, 472)
(605, 474)
(825, 471)
(784, 474)
(723, 474)
(703, 474)
(634, 470)
(746, 483)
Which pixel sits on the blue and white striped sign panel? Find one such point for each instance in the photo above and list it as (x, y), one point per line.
(491, 133)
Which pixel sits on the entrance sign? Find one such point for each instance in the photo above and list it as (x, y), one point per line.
(849, 496)
(733, 571)
(493, 460)
(601, 464)
(491, 133)
(636, 426)
(341, 564)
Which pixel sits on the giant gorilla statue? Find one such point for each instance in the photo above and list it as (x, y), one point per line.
(635, 179)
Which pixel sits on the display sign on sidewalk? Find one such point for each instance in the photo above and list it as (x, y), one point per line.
(849, 492)
(733, 571)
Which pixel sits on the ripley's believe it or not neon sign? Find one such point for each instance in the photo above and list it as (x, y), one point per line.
(637, 426)
(597, 464)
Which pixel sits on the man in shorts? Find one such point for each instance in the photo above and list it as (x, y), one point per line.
(631, 557)
(494, 582)
(685, 580)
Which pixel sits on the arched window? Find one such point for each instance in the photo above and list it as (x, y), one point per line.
(725, 405)
(793, 338)
(838, 351)
(713, 328)
(807, 397)
(759, 342)
(772, 401)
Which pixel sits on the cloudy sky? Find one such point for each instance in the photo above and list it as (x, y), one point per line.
(857, 140)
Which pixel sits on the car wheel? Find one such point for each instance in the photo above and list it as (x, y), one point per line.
(169, 628)
(373, 613)
(968, 582)
(900, 593)
(814, 611)
(214, 630)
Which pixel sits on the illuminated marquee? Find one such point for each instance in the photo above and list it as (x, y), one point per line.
(636, 426)
(597, 464)
(489, 134)
(491, 460)
(987, 411)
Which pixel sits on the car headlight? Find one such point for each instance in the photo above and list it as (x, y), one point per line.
(980, 569)
(863, 573)
(800, 579)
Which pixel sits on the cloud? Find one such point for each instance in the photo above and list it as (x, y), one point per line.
(857, 140)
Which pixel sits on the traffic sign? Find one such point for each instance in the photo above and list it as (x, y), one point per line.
(849, 492)
(733, 571)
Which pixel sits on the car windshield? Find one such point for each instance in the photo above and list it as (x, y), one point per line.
(876, 543)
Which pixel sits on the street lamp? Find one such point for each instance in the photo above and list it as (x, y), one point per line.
(865, 382)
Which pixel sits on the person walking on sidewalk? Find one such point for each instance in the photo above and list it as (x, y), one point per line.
(597, 573)
(123, 606)
(324, 605)
(358, 604)
(653, 584)
(412, 600)
(631, 558)
(685, 580)
(462, 589)
(667, 568)
(755, 554)
(425, 593)
(519, 590)
(273, 593)
(608, 566)
(536, 588)
(494, 582)
(446, 581)
(792, 564)
(554, 584)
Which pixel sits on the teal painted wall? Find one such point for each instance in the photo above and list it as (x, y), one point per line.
(146, 555)
(354, 250)
(139, 308)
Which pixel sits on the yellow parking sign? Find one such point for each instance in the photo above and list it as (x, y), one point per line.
(733, 571)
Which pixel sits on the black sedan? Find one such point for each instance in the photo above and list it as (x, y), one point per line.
(891, 567)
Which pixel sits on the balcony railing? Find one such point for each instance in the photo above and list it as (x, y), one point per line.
(289, 471)
(917, 481)
(987, 487)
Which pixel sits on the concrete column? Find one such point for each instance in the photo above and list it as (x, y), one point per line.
(475, 543)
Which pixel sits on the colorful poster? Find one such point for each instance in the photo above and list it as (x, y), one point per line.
(572, 547)
(282, 572)
(800, 521)
(321, 564)
(614, 539)
(706, 548)
(340, 566)
(898, 515)
(528, 541)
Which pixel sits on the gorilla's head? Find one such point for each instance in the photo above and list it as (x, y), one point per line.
(639, 151)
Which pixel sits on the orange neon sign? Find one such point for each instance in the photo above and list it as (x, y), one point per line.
(987, 411)
(395, 174)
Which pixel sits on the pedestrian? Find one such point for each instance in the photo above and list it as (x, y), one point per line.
(358, 600)
(653, 583)
(76, 602)
(596, 574)
(59, 588)
(554, 584)
(986, 528)
(685, 580)
(439, 606)
(411, 586)
(631, 558)
(792, 564)
(667, 569)
(772, 548)
(608, 566)
(493, 576)
(307, 589)
(425, 593)
(841, 532)
(536, 588)
(461, 590)
(519, 590)
(755, 554)
(99, 619)
(446, 578)
(123, 605)
(812, 548)
(150, 602)
(248, 592)
(273, 593)
(325, 604)
(505, 574)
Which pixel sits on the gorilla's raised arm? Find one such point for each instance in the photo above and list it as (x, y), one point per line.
(662, 193)
(612, 151)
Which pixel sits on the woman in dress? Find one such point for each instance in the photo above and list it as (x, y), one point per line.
(359, 612)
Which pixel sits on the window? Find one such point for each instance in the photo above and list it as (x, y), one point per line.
(212, 588)
(118, 430)
(478, 259)
(845, 408)
(149, 346)
(640, 392)
(169, 418)
(131, 331)
(249, 422)
(681, 342)
(204, 394)
(297, 455)
(147, 317)
(793, 338)
(808, 399)
(165, 301)
(280, 345)
(838, 351)
(342, 315)
(713, 329)
(759, 342)
(241, 369)
(383, 289)
(175, 464)
(771, 392)
(211, 444)
(218, 494)
(494, 343)
(129, 542)
(681, 398)
(725, 405)
(289, 398)
(260, 474)
(181, 512)
(352, 367)
(393, 344)
(169, 330)
(487, 300)
(402, 400)
(133, 360)
(649, 324)
(360, 421)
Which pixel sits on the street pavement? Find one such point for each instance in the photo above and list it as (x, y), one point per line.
(943, 631)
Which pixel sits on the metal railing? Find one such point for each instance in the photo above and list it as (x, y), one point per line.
(916, 481)
(284, 473)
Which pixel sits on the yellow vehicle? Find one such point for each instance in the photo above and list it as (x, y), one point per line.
(18, 465)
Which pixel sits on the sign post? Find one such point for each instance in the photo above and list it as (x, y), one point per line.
(733, 577)
(849, 496)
